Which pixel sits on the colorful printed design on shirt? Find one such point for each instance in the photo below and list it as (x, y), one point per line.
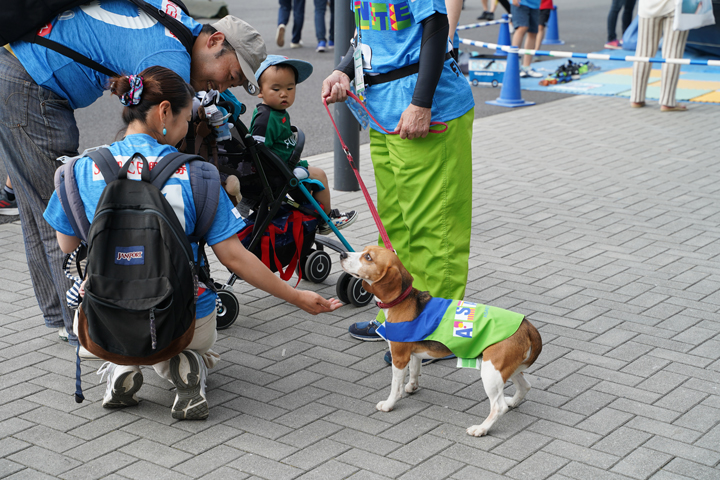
(383, 16)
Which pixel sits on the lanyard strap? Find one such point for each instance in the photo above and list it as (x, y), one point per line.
(368, 199)
(371, 205)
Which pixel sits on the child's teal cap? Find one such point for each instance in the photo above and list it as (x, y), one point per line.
(303, 68)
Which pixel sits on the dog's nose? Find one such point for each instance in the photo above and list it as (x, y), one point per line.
(343, 255)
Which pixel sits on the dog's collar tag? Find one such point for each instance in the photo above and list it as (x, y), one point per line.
(402, 297)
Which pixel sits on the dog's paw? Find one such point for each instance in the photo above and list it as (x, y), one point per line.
(384, 406)
(511, 402)
(477, 430)
(412, 387)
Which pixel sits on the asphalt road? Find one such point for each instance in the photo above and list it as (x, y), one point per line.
(581, 25)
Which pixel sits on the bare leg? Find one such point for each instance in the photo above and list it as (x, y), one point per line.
(323, 196)
(518, 35)
(540, 37)
(529, 45)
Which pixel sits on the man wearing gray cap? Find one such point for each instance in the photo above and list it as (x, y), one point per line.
(40, 89)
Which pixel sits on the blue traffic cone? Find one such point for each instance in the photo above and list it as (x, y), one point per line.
(503, 36)
(552, 36)
(510, 94)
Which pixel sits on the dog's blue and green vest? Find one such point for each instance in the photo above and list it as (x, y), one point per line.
(465, 328)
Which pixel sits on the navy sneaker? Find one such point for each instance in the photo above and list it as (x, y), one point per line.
(426, 361)
(365, 331)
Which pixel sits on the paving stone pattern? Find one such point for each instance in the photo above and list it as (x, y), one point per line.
(597, 221)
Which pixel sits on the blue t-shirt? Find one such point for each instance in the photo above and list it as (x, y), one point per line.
(114, 33)
(534, 4)
(177, 192)
(391, 35)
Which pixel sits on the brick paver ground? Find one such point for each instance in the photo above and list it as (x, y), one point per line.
(598, 222)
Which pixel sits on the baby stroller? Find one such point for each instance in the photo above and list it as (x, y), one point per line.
(281, 213)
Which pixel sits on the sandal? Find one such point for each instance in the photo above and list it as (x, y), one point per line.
(637, 104)
(676, 108)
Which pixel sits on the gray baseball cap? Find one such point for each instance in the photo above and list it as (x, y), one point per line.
(249, 47)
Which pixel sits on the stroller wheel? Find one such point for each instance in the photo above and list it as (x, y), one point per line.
(357, 295)
(228, 313)
(317, 266)
(341, 287)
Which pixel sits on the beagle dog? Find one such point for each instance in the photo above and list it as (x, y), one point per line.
(510, 347)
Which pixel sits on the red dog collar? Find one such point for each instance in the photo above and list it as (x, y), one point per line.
(402, 297)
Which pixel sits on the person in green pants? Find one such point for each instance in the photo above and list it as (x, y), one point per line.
(424, 181)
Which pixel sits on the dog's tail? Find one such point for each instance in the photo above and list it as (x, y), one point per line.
(535, 342)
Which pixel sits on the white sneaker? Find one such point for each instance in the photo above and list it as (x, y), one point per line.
(296, 45)
(122, 384)
(63, 334)
(85, 353)
(188, 373)
(280, 35)
(531, 72)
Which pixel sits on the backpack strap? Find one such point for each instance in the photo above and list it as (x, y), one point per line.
(204, 183)
(70, 53)
(106, 162)
(70, 200)
(176, 27)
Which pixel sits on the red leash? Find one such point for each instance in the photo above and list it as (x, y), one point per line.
(373, 210)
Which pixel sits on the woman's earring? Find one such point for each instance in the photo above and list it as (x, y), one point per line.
(164, 131)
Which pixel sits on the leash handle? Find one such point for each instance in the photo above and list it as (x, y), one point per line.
(371, 205)
(354, 97)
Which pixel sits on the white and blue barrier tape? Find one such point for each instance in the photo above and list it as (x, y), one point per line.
(591, 56)
(481, 24)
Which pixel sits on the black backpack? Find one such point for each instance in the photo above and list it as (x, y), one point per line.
(21, 19)
(142, 280)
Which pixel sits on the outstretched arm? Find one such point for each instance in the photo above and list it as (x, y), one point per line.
(237, 258)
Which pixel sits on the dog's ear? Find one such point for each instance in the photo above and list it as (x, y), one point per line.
(385, 287)
(407, 278)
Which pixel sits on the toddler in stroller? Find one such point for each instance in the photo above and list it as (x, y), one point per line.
(278, 77)
(282, 216)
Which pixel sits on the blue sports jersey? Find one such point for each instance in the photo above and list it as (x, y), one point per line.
(391, 35)
(534, 4)
(115, 34)
(177, 192)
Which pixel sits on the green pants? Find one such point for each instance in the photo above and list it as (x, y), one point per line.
(425, 202)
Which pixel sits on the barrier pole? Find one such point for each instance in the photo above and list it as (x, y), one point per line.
(348, 127)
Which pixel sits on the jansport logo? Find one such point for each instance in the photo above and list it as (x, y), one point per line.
(130, 255)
